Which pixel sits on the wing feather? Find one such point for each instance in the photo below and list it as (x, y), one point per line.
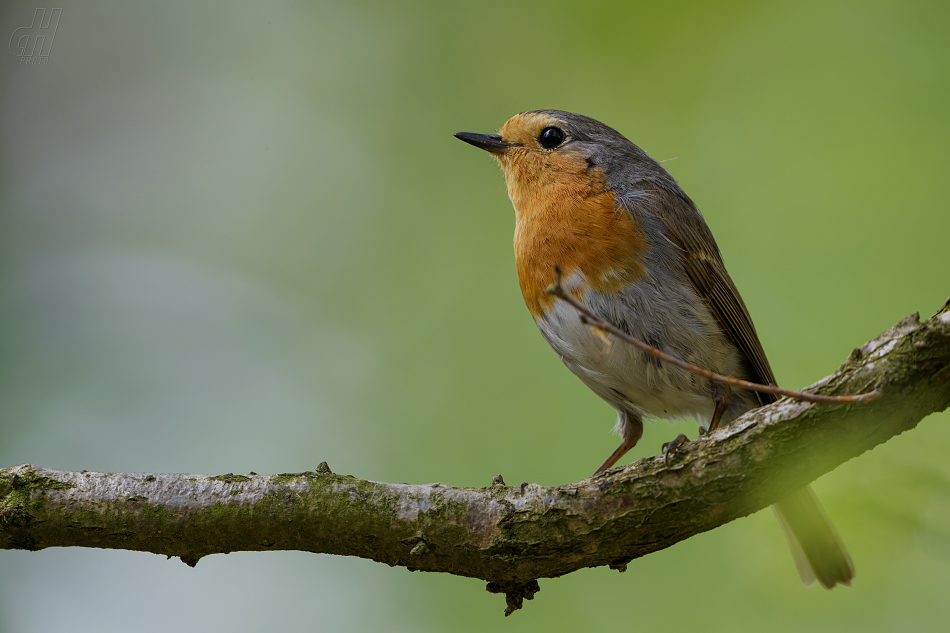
(684, 226)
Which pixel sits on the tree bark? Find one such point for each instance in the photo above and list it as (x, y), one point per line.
(507, 535)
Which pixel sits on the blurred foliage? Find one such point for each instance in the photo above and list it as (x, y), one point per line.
(237, 236)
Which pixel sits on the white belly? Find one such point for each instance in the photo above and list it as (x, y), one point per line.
(630, 380)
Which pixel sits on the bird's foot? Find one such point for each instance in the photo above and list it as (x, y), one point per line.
(674, 447)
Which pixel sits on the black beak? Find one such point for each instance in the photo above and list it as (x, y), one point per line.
(488, 142)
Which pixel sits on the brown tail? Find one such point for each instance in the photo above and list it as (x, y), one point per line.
(816, 547)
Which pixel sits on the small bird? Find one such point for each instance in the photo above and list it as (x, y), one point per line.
(636, 251)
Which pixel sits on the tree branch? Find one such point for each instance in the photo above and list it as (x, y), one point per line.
(507, 535)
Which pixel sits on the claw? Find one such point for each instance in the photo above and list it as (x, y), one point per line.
(673, 447)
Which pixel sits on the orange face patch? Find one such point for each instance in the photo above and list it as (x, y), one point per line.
(565, 216)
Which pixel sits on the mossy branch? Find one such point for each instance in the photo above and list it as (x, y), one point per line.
(509, 536)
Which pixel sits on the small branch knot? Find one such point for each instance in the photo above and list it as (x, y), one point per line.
(515, 593)
(191, 559)
(619, 565)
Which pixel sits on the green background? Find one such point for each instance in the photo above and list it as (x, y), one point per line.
(241, 237)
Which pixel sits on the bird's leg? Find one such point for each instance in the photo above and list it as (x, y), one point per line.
(722, 396)
(673, 447)
(631, 430)
(615, 456)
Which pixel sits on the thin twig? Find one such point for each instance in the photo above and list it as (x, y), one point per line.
(587, 317)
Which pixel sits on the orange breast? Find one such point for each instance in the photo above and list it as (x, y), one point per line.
(566, 217)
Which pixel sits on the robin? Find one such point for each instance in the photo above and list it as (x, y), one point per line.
(636, 251)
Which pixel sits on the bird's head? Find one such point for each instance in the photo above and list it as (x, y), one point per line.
(547, 153)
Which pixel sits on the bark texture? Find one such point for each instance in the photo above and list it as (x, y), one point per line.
(507, 535)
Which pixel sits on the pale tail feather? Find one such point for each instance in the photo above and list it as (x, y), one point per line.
(815, 544)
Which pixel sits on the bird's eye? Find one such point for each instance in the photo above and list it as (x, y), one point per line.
(551, 137)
